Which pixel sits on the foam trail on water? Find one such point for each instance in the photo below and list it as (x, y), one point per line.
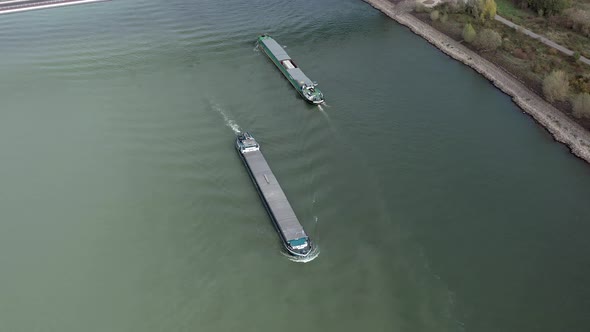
(228, 121)
(323, 112)
(312, 255)
(330, 124)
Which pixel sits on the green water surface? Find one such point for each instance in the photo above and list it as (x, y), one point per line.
(436, 204)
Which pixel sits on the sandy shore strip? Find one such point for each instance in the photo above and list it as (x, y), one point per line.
(563, 129)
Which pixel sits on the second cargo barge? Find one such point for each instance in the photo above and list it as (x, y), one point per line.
(284, 219)
(306, 87)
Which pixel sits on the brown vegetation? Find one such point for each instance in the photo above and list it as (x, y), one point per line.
(570, 28)
(487, 40)
(545, 7)
(434, 15)
(580, 20)
(581, 105)
(556, 86)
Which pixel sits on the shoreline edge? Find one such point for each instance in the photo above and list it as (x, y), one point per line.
(559, 125)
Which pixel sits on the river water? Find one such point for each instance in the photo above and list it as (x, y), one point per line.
(436, 204)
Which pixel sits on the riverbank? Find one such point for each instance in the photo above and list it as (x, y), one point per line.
(561, 127)
(16, 6)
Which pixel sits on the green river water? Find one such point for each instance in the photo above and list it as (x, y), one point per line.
(436, 204)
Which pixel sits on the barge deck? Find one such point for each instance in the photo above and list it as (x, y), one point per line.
(274, 199)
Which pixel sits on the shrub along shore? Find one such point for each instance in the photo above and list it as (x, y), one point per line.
(560, 125)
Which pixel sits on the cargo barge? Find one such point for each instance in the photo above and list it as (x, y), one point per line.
(304, 86)
(292, 235)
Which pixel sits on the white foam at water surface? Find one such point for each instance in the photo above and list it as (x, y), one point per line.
(324, 112)
(315, 252)
(297, 259)
(228, 121)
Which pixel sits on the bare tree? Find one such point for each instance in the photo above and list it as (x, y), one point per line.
(581, 105)
(556, 86)
(488, 40)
